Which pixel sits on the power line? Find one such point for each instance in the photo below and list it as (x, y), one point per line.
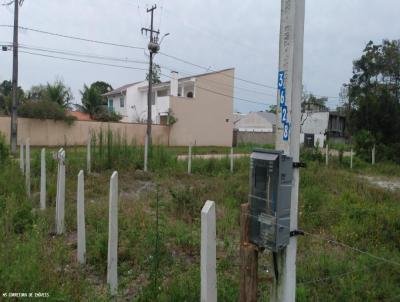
(338, 276)
(78, 54)
(142, 48)
(129, 46)
(82, 61)
(226, 95)
(333, 241)
(128, 60)
(74, 37)
(209, 69)
(131, 67)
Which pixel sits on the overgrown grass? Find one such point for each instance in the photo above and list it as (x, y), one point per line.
(334, 203)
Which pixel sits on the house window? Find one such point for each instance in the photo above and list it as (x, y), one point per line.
(111, 104)
(122, 102)
(161, 93)
(189, 94)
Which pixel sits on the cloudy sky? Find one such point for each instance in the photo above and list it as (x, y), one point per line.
(211, 33)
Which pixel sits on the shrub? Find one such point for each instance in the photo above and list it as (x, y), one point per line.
(44, 110)
(4, 150)
(107, 116)
(311, 154)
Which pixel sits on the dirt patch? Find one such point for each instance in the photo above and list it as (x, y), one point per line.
(140, 187)
(389, 184)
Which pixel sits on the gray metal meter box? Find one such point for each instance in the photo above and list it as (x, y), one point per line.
(271, 174)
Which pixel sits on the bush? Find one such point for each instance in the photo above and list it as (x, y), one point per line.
(4, 150)
(44, 110)
(311, 154)
(107, 116)
(364, 141)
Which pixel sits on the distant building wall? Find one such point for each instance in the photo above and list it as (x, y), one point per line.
(52, 133)
(206, 119)
(245, 137)
(319, 139)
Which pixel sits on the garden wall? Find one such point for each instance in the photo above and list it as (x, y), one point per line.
(56, 133)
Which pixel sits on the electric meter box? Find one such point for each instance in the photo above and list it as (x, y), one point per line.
(271, 174)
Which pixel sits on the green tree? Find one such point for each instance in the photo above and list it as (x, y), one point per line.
(58, 93)
(373, 96)
(6, 96)
(102, 87)
(156, 74)
(312, 103)
(91, 100)
(272, 109)
(36, 92)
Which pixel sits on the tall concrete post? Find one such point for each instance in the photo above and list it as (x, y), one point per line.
(290, 86)
(373, 155)
(190, 159)
(112, 257)
(43, 179)
(60, 201)
(208, 262)
(146, 147)
(28, 168)
(88, 155)
(327, 155)
(351, 159)
(231, 158)
(81, 250)
(21, 158)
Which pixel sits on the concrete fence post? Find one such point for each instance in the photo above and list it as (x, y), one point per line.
(208, 262)
(373, 155)
(88, 155)
(231, 159)
(112, 260)
(81, 253)
(146, 146)
(190, 159)
(21, 158)
(60, 201)
(28, 168)
(43, 179)
(327, 155)
(351, 159)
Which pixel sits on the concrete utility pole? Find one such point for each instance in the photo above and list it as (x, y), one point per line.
(288, 132)
(153, 47)
(373, 155)
(14, 117)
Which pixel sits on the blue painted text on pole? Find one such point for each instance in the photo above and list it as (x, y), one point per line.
(286, 131)
(284, 114)
(282, 94)
(281, 79)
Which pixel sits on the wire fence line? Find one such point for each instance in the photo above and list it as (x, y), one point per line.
(338, 276)
(334, 241)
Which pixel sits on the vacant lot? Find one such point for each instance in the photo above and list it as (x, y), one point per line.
(335, 203)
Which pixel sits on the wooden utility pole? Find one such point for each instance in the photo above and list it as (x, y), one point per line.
(288, 132)
(248, 259)
(153, 48)
(14, 106)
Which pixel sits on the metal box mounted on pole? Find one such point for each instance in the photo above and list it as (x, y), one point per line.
(270, 192)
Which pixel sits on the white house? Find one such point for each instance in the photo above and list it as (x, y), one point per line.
(130, 100)
(201, 107)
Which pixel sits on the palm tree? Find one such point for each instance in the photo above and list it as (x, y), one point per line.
(91, 100)
(58, 93)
